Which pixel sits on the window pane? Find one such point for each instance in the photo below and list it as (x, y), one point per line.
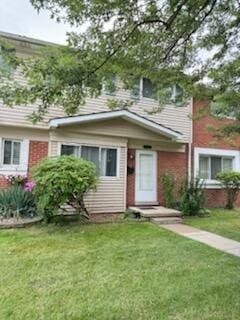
(227, 164)
(110, 85)
(109, 162)
(135, 90)
(7, 154)
(204, 167)
(178, 93)
(68, 150)
(16, 153)
(91, 154)
(216, 166)
(148, 89)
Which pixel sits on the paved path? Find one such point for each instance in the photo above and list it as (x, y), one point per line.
(211, 239)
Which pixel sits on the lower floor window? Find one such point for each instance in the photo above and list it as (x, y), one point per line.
(11, 152)
(210, 166)
(105, 159)
(108, 162)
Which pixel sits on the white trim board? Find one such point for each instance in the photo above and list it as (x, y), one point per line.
(235, 154)
(124, 114)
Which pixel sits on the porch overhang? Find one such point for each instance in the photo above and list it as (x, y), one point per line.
(123, 114)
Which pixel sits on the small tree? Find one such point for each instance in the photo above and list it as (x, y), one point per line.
(231, 183)
(63, 180)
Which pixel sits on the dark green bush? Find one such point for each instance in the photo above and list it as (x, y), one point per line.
(169, 184)
(192, 198)
(63, 180)
(231, 183)
(16, 202)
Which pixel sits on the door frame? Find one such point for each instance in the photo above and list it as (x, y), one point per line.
(154, 153)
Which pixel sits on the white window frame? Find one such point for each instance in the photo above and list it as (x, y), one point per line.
(100, 148)
(173, 97)
(22, 167)
(106, 92)
(141, 90)
(210, 152)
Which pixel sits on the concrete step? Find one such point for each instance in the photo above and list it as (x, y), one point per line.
(156, 212)
(161, 214)
(166, 220)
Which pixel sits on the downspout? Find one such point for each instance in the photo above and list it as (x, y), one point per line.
(190, 141)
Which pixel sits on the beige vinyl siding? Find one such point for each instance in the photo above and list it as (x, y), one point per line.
(23, 133)
(110, 193)
(176, 118)
(157, 145)
(117, 128)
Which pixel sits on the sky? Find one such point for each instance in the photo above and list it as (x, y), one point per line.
(19, 17)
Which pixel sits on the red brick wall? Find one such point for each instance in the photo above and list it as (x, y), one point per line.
(172, 162)
(215, 198)
(3, 183)
(131, 177)
(201, 135)
(203, 138)
(37, 151)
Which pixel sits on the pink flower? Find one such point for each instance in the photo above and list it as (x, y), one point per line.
(29, 186)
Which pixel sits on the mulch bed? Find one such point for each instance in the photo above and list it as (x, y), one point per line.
(18, 223)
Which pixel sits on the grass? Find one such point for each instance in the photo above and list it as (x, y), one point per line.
(114, 272)
(220, 221)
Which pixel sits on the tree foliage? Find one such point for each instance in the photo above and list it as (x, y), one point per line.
(63, 180)
(231, 183)
(163, 40)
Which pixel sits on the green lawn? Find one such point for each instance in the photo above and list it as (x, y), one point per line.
(115, 271)
(223, 222)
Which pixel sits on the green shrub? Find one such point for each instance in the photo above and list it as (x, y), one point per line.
(169, 184)
(15, 202)
(63, 180)
(231, 183)
(192, 198)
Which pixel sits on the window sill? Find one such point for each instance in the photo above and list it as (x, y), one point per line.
(211, 184)
(113, 94)
(8, 170)
(105, 178)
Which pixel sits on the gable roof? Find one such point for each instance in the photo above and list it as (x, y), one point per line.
(124, 114)
(18, 37)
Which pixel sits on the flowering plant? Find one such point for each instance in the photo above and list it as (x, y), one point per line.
(28, 186)
(18, 179)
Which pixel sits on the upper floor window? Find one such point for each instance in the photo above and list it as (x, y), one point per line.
(176, 93)
(223, 111)
(148, 89)
(145, 88)
(5, 67)
(11, 152)
(210, 166)
(105, 159)
(110, 85)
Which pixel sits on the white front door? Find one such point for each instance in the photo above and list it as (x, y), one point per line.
(146, 177)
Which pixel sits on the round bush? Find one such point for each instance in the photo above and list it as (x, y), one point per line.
(63, 180)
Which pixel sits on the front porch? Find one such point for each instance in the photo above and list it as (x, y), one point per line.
(130, 151)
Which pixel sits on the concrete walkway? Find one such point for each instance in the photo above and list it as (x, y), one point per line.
(210, 239)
